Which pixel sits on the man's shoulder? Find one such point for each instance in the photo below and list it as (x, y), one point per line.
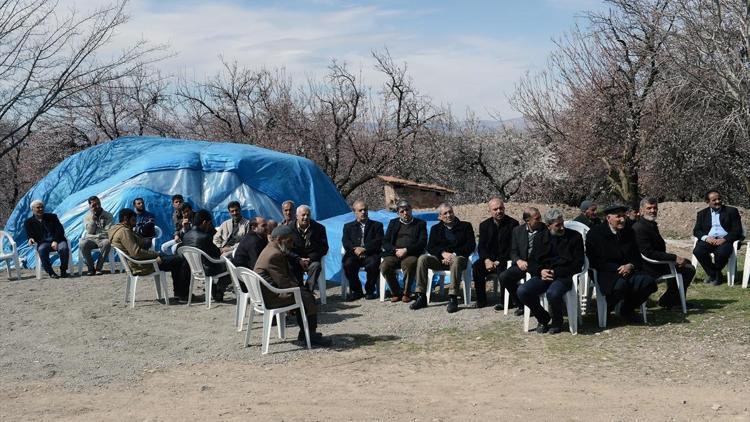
(350, 224)
(572, 235)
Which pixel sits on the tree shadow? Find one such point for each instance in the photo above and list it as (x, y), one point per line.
(353, 341)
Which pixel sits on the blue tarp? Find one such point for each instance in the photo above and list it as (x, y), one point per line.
(335, 229)
(208, 174)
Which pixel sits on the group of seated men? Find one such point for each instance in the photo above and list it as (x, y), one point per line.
(541, 252)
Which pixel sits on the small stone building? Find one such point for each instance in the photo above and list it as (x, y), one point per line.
(420, 195)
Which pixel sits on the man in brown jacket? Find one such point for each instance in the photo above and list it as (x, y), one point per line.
(273, 266)
(125, 239)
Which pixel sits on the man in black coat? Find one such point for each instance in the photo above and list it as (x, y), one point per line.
(495, 235)
(201, 236)
(523, 243)
(404, 241)
(363, 242)
(613, 252)
(45, 231)
(251, 244)
(716, 228)
(449, 247)
(309, 248)
(552, 265)
(652, 246)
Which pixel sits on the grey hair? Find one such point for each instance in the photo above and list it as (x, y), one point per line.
(648, 200)
(288, 201)
(444, 206)
(552, 215)
(35, 202)
(302, 208)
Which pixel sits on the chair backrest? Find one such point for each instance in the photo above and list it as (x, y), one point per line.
(193, 257)
(577, 226)
(125, 259)
(12, 243)
(252, 281)
(232, 269)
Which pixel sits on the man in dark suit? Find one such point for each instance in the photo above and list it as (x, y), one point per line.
(362, 241)
(47, 234)
(251, 244)
(449, 247)
(495, 235)
(557, 257)
(523, 242)
(588, 214)
(613, 253)
(404, 241)
(201, 236)
(273, 266)
(310, 245)
(716, 228)
(652, 246)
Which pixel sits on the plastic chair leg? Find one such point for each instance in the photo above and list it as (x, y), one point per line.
(266, 332)
(344, 285)
(746, 268)
(526, 318)
(571, 303)
(681, 290)
(190, 290)
(506, 301)
(382, 288)
(304, 325)
(208, 286)
(467, 291)
(132, 292)
(249, 327)
(240, 311)
(643, 313)
(601, 308)
(732, 269)
(127, 289)
(281, 324)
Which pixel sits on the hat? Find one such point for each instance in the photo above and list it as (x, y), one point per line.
(586, 205)
(282, 231)
(403, 203)
(614, 208)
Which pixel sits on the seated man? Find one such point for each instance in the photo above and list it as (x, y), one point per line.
(273, 265)
(588, 214)
(46, 232)
(200, 236)
(125, 239)
(251, 244)
(613, 252)
(362, 241)
(145, 222)
(230, 231)
(522, 245)
(270, 225)
(287, 210)
(557, 257)
(716, 228)
(652, 246)
(449, 247)
(182, 226)
(404, 242)
(96, 223)
(309, 246)
(495, 234)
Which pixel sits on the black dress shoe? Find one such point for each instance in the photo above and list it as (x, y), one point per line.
(481, 304)
(554, 329)
(53, 275)
(353, 296)
(542, 328)
(631, 318)
(64, 274)
(452, 304)
(420, 303)
(372, 296)
(716, 282)
(499, 307)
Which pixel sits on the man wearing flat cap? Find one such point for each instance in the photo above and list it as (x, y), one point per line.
(613, 252)
(588, 214)
(405, 240)
(273, 266)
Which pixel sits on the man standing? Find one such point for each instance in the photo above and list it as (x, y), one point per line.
(652, 246)
(47, 234)
(588, 214)
(177, 201)
(522, 246)
(251, 244)
(404, 241)
(613, 251)
(449, 247)
(287, 210)
(495, 235)
(200, 236)
(310, 245)
(230, 231)
(716, 228)
(552, 265)
(145, 222)
(182, 226)
(96, 222)
(125, 239)
(273, 266)
(362, 241)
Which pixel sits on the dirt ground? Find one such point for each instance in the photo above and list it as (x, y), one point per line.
(73, 350)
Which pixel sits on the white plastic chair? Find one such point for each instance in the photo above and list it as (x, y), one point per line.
(160, 278)
(731, 265)
(344, 280)
(601, 303)
(111, 258)
(193, 257)
(672, 274)
(243, 298)
(572, 304)
(38, 260)
(158, 232)
(10, 257)
(506, 295)
(585, 290)
(746, 268)
(253, 282)
(445, 274)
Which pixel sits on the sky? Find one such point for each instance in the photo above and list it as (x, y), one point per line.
(465, 54)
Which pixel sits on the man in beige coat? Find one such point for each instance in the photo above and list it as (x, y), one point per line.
(273, 266)
(96, 223)
(122, 237)
(231, 231)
